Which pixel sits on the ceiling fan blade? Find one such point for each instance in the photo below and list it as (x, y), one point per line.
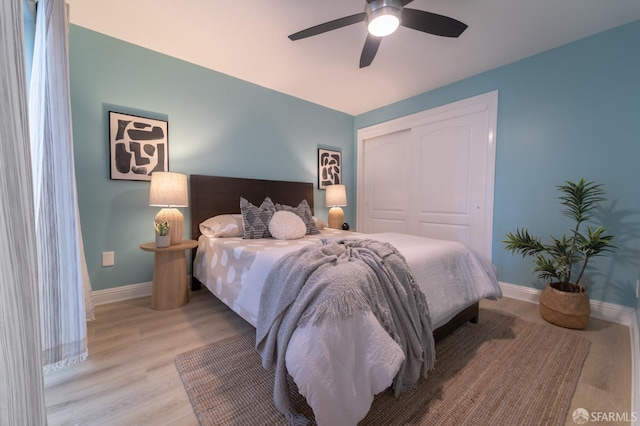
(369, 50)
(432, 23)
(328, 26)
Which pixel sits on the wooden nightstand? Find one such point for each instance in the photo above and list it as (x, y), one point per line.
(169, 289)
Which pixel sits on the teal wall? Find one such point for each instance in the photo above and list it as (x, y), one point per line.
(218, 125)
(567, 113)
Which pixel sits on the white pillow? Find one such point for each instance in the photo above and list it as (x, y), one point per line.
(320, 224)
(223, 226)
(286, 225)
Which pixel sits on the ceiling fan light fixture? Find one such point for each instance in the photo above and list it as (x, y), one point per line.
(383, 17)
(383, 25)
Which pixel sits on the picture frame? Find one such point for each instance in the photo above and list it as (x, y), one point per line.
(138, 146)
(329, 168)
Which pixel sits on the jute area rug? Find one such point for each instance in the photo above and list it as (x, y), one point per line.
(502, 371)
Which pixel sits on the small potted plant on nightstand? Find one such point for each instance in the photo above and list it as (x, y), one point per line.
(565, 301)
(163, 238)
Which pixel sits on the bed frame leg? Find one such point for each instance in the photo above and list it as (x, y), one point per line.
(476, 315)
(195, 284)
(470, 314)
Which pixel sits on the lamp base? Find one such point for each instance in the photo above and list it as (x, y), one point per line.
(176, 223)
(336, 218)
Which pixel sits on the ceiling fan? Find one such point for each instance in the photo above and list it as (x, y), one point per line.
(383, 17)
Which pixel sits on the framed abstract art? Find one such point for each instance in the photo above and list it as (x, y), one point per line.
(329, 168)
(138, 146)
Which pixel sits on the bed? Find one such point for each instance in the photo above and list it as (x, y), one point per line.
(212, 196)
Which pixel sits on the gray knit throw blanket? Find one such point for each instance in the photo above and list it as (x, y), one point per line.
(333, 279)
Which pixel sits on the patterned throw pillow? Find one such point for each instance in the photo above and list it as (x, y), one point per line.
(304, 211)
(256, 219)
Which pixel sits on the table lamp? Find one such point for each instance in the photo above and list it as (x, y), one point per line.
(336, 197)
(169, 190)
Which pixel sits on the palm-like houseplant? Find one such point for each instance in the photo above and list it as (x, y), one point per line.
(562, 262)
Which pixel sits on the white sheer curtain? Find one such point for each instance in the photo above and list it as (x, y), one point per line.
(21, 381)
(64, 284)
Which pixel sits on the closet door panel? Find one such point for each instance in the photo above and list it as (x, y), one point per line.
(446, 151)
(431, 173)
(443, 171)
(444, 231)
(386, 186)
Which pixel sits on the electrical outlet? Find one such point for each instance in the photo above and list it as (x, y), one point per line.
(108, 258)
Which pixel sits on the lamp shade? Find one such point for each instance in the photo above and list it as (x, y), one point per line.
(336, 195)
(168, 190)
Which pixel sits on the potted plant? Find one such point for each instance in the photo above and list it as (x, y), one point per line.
(163, 238)
(562, 262)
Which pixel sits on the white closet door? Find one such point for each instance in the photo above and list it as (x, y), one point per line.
(450, 166)
(431, 174)
(387, 179)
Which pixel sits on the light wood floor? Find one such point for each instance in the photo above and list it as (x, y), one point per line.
(605, 382)
(130, 376)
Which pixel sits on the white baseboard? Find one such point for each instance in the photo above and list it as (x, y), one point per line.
(601, 310)
(635, 369)
(132, 291)
(125, 292)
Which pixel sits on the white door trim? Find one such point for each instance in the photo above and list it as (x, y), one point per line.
(487, 101)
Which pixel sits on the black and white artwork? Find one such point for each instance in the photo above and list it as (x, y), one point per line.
(138, 145)
(329, 168)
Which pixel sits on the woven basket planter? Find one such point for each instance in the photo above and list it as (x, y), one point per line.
(566, 309)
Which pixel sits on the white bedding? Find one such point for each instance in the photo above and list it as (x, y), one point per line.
(227, 265)
(341, 367)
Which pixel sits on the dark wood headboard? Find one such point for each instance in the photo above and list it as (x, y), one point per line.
(214, 195)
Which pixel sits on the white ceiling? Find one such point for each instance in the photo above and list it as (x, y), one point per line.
(248, 40)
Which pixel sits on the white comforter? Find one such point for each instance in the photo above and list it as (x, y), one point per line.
(339, 368)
